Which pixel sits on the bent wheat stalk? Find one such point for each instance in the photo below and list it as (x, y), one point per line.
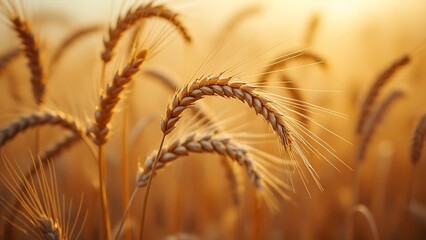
(377, 86)
(418, 140)
(132, 17)
(375, 120)
(205, 119)
(8, 132)
(218, 86)
(193, 143)
(199, 144)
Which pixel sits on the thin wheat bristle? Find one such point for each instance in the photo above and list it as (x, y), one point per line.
(8, 57)
(41, 216)
(418, 140)
(8, 132)
(132, 17)
(374, 90)
(375, 120)
(111, 97)
(71, 39)
(220, 86)
(199, 144)
(32, 52)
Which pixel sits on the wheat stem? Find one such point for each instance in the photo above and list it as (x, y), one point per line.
(148, 188)
(102, 186)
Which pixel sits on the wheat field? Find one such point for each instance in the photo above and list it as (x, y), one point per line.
(236, 119)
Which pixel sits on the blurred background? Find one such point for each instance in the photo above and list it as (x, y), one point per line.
(355, 41)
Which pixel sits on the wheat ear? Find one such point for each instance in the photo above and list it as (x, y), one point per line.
(32, 52)
(375, 120)
(70, 40)
(199, 144)
(377, 86)
(111, 97)
(418, 139)
(221, 86)
(8, 132)
(132, 17)
(8, 57)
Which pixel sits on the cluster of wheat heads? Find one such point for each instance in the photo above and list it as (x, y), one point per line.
(107, 148)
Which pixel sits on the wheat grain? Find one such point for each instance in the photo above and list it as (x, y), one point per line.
(111, 97)
(134, 16)
(199, 144)
(377, 86)
(8, 132)
(418, 139)
(375, 120)
(220, 86)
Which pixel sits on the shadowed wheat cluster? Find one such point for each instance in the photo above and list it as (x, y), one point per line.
(201, 120)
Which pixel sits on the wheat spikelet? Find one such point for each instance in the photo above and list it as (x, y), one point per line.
(418, 139)
(110, 98)
(41, 216)
(220, 86)
(71, 39)
(8, 132)
(374, 90)
(199, 144)
(32, 52)
(8, 57)
(134, 16)
(375, 120)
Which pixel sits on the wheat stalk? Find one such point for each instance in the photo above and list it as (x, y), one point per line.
(375, 120)
(199, 144)
(132, 17)
(377, 86)
(8, 132)
(418, 139)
